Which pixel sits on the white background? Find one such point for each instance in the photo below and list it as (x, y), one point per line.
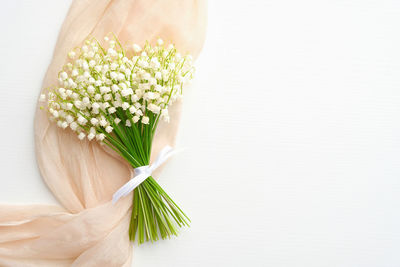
(292, 125)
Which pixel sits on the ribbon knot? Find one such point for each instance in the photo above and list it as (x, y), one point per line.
(142, 173)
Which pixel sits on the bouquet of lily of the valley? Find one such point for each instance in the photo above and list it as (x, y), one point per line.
(117, 95)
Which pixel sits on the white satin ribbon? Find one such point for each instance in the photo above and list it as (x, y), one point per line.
(142, 173)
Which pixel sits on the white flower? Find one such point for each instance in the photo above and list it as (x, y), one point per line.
(136, 48)
(91, 136)
(149, 95)
(69, 119)
(132, 109)
(164, 115)
(103, 122)
(104, 89)
(139, 112)
(121, 77)
(145, 120)
(100, 137)
(95, 105)
(126, 92)
(107, 97)
(81, 135)
(94, 121)
(117, 120)
(134, 98)
(91, 89)
(112, 52)
(125, 105)
(71, 54)
(143, 63)
(123, 86)
(109, 129)
(63, 75)
(160, 42)
(154, 108)
(135, 119)
(115, 88)
(42, 97)
(128, 123)
(82, 120)
(113, 75)
(85, 100)
(73, 126)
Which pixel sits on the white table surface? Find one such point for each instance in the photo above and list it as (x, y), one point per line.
(292, 125)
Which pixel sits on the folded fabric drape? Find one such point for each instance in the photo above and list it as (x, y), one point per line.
(87, 229)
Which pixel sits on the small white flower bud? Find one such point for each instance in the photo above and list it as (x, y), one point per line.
(81, 136)
(135, 119)
(85, 100)
(73, 126)
(42, 97)
(90, 89)
(91, 136)
(136, 48)
(82, 120)
(95, 105)
(109, 129)
(127, 92)
(107, 97)
(125, 106)
(145, 120)
(132, 109)
(85, 65)
(103, 122)
(71, 54)
(100, 137)
(115, 88)
(63, 75)
(104, 89)
(113, 66)
(113, 75)
(69, 119)
(121, 77)
(94, 121)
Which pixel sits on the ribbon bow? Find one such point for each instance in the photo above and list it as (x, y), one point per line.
(142, 173)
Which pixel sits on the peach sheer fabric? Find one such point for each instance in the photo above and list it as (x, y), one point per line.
(88, 230)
